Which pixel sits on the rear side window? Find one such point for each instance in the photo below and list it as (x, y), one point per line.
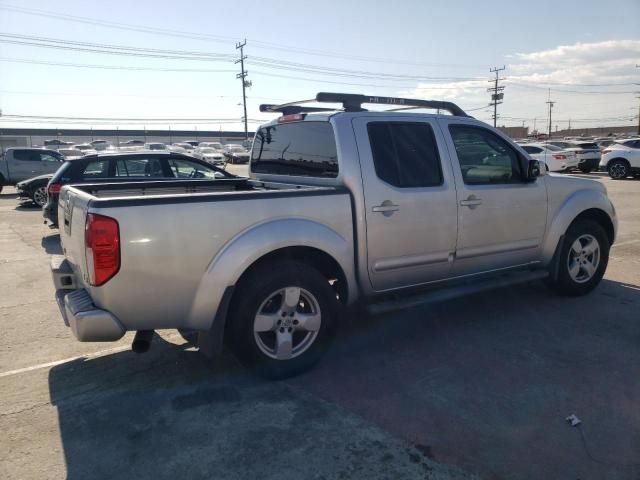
(301, 149)
(529, 149)
(139, 167)
(405, 154)
(96, 169)
(588, 146)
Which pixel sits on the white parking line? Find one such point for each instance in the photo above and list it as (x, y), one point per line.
(86, 356)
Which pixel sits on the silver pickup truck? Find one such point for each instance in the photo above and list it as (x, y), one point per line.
(342, 205)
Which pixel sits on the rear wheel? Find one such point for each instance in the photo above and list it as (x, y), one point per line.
(618, 169)
(39, 196)
(586, 169)
(582, 259)
(282, 318)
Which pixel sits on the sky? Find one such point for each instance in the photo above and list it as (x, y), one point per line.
(585, 51)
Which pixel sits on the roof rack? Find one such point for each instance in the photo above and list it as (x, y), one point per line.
(353, 103)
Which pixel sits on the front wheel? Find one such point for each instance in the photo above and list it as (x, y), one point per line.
(282, 318)
(582, 259)
(39, 196)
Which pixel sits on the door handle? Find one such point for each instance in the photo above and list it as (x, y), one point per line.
(386, 208)
(471, 201)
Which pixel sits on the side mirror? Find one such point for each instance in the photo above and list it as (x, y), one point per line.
(533, 170)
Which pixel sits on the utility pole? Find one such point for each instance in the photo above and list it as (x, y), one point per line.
(638, 66)
(498, 92)
(245, 83)
(550, 103)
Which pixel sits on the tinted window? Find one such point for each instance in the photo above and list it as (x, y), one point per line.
(405, 154)
(26, 155)
(484, 157)
(139, 167)
(188, 169)
(302, 148)
(588, 146)
(96, 169)
(529, 149)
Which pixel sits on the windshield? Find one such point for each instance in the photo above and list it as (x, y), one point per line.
(208, 150)
(553, 148)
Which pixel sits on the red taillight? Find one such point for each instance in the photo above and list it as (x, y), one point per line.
(102, 243)
(560, 157)
(293, 117)
(54, 188)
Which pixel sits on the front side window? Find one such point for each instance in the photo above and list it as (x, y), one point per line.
(139, 167)
(51, 157)
(188, 169)
(405, 155)
(484, 157)
(301, 149)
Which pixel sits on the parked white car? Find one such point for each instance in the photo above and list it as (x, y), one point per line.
(555, 158)
(622, 159)
(209, 154)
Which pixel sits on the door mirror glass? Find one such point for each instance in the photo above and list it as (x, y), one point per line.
(534, 170)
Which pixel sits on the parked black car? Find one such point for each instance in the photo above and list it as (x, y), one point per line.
(126, 167)
(34, 189)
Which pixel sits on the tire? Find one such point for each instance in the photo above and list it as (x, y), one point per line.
(285, 340)
(618, 169)
(572, 265)
(586, 169)
(39, 196)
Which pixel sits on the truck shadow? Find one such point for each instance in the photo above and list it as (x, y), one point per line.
(480, 382)
(51, 244)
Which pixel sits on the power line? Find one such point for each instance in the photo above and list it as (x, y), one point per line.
(113, 67)
(216, 38)
(271, 63)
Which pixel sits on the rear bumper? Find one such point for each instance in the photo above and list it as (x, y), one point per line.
(88, 322)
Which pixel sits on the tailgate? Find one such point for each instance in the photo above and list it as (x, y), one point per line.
(72, 214)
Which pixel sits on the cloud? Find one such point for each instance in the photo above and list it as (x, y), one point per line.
(585, 78)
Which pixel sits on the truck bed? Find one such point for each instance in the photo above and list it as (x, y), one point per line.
(173, 235)
(181, 191)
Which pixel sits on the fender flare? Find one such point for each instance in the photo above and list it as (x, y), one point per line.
(257, 241)
(575, 204)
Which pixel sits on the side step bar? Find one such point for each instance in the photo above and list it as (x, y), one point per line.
(459, 289)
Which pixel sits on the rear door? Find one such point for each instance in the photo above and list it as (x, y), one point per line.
(410, 200)
(502, 218)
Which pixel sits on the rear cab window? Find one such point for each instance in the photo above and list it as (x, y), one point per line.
(306, 148)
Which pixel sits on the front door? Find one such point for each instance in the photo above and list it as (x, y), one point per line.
(501, 217)
(410, 200)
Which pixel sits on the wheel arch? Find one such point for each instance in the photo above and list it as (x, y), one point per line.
(297, 238)
(583, 204)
